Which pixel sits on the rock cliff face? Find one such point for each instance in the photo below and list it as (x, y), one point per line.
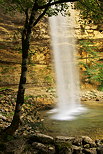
(39, 69)
(90, 52)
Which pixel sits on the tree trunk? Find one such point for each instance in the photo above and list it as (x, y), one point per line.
(29, 24)
(21, 90)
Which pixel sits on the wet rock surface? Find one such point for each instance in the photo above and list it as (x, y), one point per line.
(44, 144)
(67, 145)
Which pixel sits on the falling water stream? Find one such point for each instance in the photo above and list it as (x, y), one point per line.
(67, 78)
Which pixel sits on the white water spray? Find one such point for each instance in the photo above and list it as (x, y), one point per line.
(67, 78)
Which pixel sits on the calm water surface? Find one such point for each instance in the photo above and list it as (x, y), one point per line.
(89, 123)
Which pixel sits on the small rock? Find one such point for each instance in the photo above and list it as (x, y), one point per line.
(51, 149)
(101, 141)
(64, 138)
(7, 109)
(87, 146)
(2, 110)
(76, 150)
(43, 149)
(88, 140)
(100, 150)
(77, 141)
(98, 142)
(97, 99)
(90, 151)
(63, 147)
(83, 99)
(3, 117)
(38, 137)
(39, 146)
(2, 101)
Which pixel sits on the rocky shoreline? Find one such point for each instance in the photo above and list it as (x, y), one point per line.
(39, 143)
(92, 95)
(44, 101)
(43, 144)
(65, 145)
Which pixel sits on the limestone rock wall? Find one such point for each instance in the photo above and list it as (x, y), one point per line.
(40, 67)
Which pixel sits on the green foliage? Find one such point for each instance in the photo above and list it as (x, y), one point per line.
(62, 147)
(7, 138)
(88, 46)
(97, 74)
(4, 88)
(4, 69)
(27, 97)
(16, 5)
(58, 8)
(22, 5)
(90, 11)
(50, 89)
(93, 66)
(48, 78)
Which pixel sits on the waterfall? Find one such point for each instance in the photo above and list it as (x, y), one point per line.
(67, 76)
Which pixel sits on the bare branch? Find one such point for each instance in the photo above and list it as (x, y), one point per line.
(41, 15)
